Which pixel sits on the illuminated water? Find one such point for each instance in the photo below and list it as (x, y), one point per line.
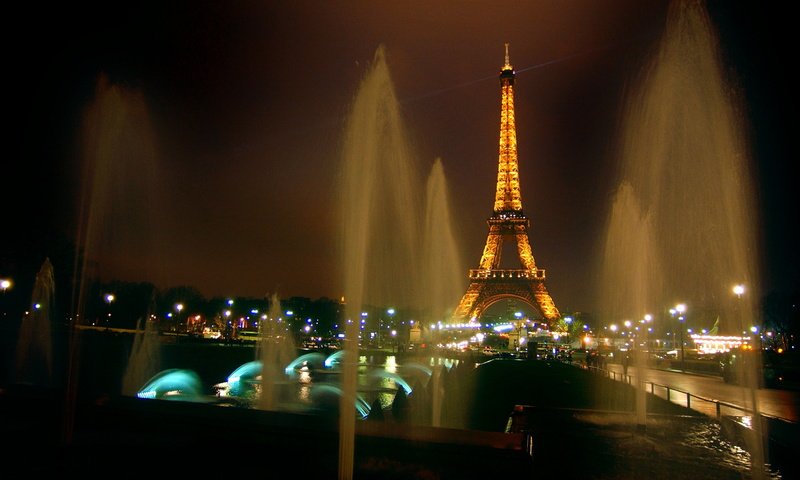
(668, 217)
(307, 383)
(173, 384)
(34, 355)
(145, 357)
(683, 223)
(274, 353)
(385, 247)
(120, 215)
(122, 211)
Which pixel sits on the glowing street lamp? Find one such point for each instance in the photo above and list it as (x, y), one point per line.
(390, 311)
(681, 308)
(738, 290)
(754, 331)
(109, 298)
(646, 320)
(5, 284)
(179, 308)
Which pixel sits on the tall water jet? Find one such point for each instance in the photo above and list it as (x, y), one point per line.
(686, 207)
(34, 355)
(121, 207)
(380, 192)
(629, 261)
(122, 204)
(144, 360)
(275, 351)
(443, 279)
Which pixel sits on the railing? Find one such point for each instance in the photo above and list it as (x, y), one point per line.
(478, 273)
(736, 422)
(708, 406)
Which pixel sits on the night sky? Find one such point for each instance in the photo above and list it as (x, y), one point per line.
(248, 101)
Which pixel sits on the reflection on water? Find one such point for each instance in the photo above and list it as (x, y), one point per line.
(676, 443)
(312, 380)
(708, 435)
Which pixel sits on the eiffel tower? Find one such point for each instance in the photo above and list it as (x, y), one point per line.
(488, 283)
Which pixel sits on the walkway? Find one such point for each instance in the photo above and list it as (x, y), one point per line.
(710, 395)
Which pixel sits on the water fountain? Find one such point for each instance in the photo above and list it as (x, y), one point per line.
(276, 350)
(145, 357)
(379, 231)
(173, 384)
(443, 276)
(383, 251)
(383, 257)
(682, 227)
(34, 355)
(120, 214)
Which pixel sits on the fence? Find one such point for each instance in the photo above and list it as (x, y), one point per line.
(708, 406)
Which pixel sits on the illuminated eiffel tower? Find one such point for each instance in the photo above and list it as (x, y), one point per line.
(489, 283)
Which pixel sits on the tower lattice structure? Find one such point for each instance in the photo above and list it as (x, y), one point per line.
(489, 283)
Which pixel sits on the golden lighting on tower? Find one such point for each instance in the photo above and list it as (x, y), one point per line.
(489, 282)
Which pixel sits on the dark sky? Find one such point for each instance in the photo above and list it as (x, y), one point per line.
(247, 102)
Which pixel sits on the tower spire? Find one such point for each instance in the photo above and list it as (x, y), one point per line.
(507, 196)
(490, 282)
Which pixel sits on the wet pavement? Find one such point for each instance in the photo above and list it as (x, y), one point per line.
(708, 389)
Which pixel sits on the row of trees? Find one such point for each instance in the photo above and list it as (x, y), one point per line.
(134, 301)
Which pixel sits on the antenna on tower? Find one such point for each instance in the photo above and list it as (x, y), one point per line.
(507, 66)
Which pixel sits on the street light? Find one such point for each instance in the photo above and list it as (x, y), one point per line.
(672, 313)
(109, 298)
(681, 308)
(738, 290)
(179, 308)
(5, 284)
(390, 312)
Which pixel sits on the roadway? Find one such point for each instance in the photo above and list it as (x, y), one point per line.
(707, 390)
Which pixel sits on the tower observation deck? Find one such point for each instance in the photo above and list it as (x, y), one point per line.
(489, 283)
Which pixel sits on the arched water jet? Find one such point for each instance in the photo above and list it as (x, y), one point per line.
(242, 380)
(334, 359)
(312, 359)
(173, 384)
(399, 381)
(327, 397)
(418, 368)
